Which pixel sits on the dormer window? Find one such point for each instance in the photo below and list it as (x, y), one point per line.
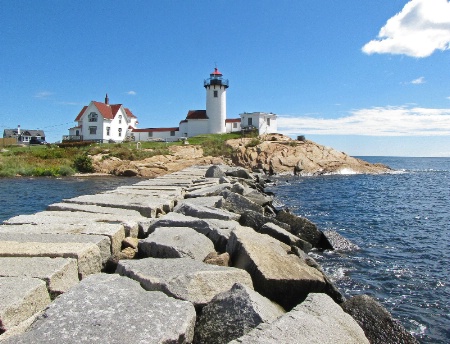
(93, 117)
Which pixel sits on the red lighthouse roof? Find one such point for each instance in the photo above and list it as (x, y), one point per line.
(216, 72)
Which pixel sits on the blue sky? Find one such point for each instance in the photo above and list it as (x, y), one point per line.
(365, 77)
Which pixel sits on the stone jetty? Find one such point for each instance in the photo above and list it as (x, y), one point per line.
(195, 256)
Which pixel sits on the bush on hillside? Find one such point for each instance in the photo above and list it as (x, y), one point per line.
(83, 164)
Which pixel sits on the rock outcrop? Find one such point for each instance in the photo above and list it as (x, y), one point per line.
(275, 153)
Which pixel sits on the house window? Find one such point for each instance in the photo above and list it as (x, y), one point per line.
(234, 125)
(93, 117)
(150, 134)
(108, 131)
(25, 138)
(120, 131)
(120, 119)
(216, 94)
(250, 121)
(93, 130)
(268, 122)
(172, 133)
(77, 133)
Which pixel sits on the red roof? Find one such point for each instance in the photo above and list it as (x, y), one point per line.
(149, 130)
(197, 114)
(81, 113)
(233, 120)
(106, 110)
(216, 72)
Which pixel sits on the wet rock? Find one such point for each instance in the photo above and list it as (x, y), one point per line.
(376, 321)
(256, 220)
(338, 242)
(305, 229)
(284, 236)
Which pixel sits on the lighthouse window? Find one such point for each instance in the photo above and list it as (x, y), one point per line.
(216, 94)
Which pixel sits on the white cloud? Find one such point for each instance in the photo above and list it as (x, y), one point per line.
(422, 27)
(131, 93)
(43, 94)
(418, 81)
(377, 121)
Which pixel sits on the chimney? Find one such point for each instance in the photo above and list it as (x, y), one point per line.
(18, 130)
(106, 99)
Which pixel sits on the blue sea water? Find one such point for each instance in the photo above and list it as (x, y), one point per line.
(401, 222)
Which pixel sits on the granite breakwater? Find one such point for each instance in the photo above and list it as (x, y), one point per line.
(196, 256)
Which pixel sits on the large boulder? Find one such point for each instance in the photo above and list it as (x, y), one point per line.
(203, 212)
(176, 242)
(376, 321)
(282, 277)
(217, 234)
(339, 242)
(183, 278)
(317, 320)
(305, 229)
(256, 220)
(112, 309)
(232, 314)
(20, 297)
(239, 204)
(214, 171)
(284, 236)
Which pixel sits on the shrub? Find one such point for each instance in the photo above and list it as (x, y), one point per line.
(253, 143)
(83, 164)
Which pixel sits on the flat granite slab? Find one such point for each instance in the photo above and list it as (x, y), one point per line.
(111, 309)
(131, 226)
(87, 254)
(60, 274)
(148, 206)
(20, 297)
(25, 234)
(124, 214)
(115, 232)
(183, 278)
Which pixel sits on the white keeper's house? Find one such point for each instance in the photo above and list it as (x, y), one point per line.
(105, 122)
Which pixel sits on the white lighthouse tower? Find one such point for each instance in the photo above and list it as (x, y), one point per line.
(216, 102)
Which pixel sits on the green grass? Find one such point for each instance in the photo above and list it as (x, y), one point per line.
(51, 160)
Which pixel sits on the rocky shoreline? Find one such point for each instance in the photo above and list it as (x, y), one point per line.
(196, 256)
(271, 154)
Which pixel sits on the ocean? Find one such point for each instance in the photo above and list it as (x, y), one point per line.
(400, 221)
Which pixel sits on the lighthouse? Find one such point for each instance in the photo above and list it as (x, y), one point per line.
(216, 102)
